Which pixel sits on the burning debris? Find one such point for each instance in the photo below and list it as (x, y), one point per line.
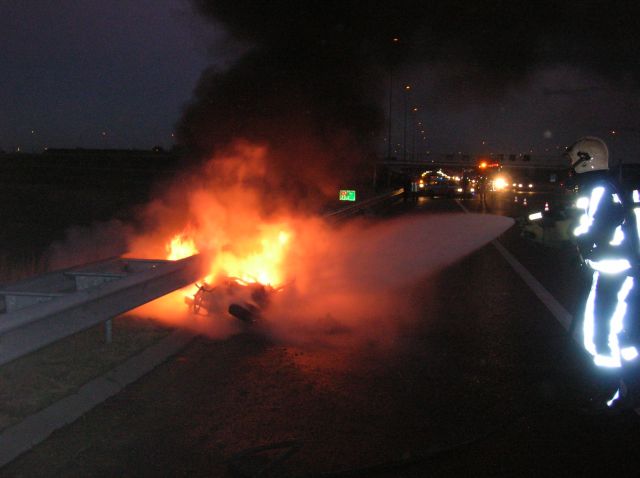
(242, 273)
(245, 301)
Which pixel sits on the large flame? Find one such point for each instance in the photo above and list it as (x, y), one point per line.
(181, 246)
(223, 215)
(259, 259)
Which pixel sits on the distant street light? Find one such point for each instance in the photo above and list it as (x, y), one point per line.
(390, 108)
(414, 128)
(407, 89)
(395, 41)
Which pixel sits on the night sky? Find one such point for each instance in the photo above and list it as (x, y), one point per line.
(493, 76)
(71, 70)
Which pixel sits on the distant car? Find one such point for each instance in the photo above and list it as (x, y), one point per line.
(442, 187)
(468, 192)
(439, 187)
(523, 186)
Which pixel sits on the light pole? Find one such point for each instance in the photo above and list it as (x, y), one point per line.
(407, 89)
(419, 127)
(414, 110)
(395, 41)
(390, 104)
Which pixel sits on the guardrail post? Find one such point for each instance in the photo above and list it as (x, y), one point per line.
(108, 331)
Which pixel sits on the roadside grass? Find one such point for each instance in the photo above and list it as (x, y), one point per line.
(38, 380)
(43, 197)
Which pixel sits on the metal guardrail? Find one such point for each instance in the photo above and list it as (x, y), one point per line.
(44, 309)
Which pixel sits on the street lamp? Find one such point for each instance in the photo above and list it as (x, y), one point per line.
(407, 89)
(395, 41)
(414, 127)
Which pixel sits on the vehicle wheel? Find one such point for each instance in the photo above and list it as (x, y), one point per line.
(246, 313)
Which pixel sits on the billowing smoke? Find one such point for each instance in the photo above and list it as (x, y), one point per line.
(314, 77)
(306, 91)
(85, 244)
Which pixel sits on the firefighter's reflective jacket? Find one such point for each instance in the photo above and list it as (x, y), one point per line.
(607, 232)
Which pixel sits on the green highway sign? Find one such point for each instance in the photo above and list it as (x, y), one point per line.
(347, 195)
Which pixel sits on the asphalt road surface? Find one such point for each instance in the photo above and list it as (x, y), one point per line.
(488, 383)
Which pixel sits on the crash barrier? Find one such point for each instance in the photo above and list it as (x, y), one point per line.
(364, 206)
(41, 310)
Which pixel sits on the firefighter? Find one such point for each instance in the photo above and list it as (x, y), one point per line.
(409, 189)
(482, 189)
(607, 240)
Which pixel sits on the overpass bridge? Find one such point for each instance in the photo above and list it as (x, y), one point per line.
(539, 168)
(472, 161)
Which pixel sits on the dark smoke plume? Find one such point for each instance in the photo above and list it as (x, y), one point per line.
(313, 81)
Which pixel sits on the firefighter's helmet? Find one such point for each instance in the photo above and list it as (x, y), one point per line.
(588, 154)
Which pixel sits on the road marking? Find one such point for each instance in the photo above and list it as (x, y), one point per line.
(558, 311)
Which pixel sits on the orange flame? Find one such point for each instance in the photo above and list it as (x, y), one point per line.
(220, 214)
(253, 260)
(259, 262)
(180, 246)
